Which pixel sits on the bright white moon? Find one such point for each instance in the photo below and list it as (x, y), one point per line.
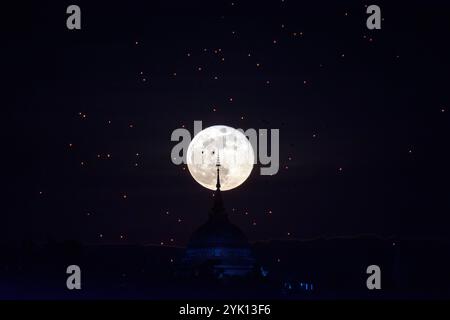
(234, 151)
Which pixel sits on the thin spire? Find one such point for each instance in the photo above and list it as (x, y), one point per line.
(218, 172)
(218, 210)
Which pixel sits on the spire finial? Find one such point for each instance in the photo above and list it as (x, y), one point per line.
(218, 171)
(218, 210)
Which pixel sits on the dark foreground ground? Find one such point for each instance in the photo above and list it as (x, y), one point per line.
(314, 269)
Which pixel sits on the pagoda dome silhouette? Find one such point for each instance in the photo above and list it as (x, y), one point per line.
(218, 247)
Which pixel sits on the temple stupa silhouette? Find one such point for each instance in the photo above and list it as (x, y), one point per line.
(218, 247)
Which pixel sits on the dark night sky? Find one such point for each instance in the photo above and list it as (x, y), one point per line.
(374, 103)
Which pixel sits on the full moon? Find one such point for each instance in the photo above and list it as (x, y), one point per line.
(228, 146)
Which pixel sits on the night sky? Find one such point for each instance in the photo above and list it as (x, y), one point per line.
(363, 118)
